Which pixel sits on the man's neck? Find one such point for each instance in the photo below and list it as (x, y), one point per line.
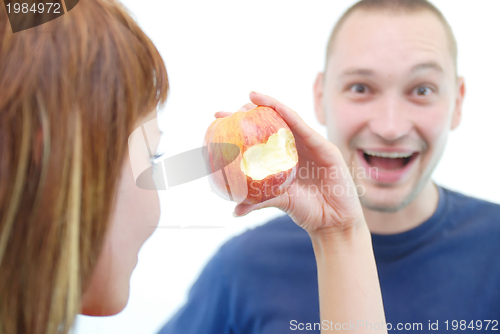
(411, 216)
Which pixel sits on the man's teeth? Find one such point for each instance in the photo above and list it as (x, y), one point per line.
(392, 155)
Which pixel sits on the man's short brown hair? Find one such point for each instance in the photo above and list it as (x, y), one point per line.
(396, 7)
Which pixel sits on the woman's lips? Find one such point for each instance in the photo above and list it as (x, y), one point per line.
(384, 169)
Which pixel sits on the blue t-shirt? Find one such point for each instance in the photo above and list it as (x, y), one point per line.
(265, 280)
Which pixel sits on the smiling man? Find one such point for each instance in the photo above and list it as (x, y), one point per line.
(389, 96)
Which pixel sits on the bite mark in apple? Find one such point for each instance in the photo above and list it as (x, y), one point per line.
(277, 155)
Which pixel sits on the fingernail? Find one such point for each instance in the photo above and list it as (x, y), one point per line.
(234, 215)
(255, 92)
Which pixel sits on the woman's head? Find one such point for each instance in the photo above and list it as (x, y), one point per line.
(72, 91)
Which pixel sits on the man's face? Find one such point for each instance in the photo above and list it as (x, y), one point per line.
(389, 97)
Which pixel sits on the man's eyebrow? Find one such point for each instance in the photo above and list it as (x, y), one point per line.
(427, 65)
(357, 71)
(416, 68)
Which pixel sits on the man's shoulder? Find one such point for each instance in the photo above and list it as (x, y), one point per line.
(464, 199)
(466, 209)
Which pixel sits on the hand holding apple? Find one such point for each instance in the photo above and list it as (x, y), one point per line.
(268, 159)
(316, 201)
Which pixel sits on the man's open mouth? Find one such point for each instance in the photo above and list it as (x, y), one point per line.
(388, 161)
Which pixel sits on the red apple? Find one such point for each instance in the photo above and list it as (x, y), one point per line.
(267, 161)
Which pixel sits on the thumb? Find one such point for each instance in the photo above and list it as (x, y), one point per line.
(280, 202)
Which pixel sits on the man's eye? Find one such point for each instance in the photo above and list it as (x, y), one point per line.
(359, 88)
(423, 91)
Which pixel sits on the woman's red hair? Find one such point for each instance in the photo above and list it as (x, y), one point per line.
(71, 91)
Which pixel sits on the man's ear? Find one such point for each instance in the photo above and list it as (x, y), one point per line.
(457, 112)
(318, 98)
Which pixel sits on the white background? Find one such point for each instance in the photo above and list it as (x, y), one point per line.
(216, 52)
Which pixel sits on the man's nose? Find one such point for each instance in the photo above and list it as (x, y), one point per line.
(390, 119)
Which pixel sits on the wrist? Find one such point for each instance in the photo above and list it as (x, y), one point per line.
(343, 231)
(334, 240)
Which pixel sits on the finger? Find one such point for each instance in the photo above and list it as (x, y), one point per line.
(280, 202)
(247, 107)
(300, 129)
(222, 114)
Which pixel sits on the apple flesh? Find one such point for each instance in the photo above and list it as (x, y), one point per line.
(267, 161)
